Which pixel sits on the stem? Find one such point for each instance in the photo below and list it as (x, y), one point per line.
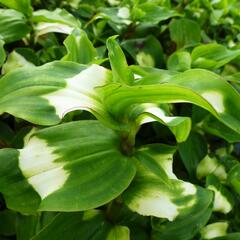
(128, 141)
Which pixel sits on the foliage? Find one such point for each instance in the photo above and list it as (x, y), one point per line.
(119, 120)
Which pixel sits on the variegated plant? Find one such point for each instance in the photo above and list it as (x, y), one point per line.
(86, 168)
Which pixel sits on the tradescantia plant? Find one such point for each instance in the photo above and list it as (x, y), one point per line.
(80, 169)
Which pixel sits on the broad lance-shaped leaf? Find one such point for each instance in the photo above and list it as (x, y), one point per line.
(43, 95)
(156, 191)
(88, 225)
(199, 87)
(69, 167)
(13, 25)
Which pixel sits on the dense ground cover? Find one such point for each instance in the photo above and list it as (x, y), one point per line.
(120, 120)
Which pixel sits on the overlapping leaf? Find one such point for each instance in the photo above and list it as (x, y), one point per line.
(43, 95)
(156, 191)
(75, 159)
(13, 25)
(87, 225)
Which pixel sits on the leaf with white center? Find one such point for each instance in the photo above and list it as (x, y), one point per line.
(59, 20)
(196, 86)
(79, 48)
(13, 25)
(185, 227)
(43, 95)
(223, 200)
(44, 28)
(155, 191)
(213, 230)
(79, 159)
(212, 56)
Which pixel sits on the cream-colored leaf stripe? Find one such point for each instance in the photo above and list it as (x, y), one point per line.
(40, 168)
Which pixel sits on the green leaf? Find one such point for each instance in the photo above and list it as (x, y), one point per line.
(2, 53)
(156, 191)
(89, 225)
(23, 6)
(184, 32)
(15, 60)
(13, 25)
(230, 236)
(179, 61)
(27, 226)
(121, 72)
(234, 178)
(211, 125)
(212, 56)
(145, 51)
(8, 222)
(192, 151)
(118, 17)
(152, 13)
(79, 48)
(78, 159)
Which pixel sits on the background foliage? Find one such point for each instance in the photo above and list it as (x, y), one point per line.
(120, 119)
